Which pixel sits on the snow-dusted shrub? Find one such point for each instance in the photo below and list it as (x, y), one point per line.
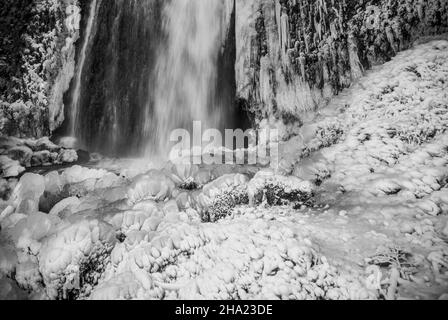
(219, 197)
(72, 260)
(279, 190)
(31, 58)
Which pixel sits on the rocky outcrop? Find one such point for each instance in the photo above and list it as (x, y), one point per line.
(37, 59)
(293, 55)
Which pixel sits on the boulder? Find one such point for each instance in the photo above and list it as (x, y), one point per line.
(22, 154)
(154, 185)
(41, 158)
(45, 144)
(27, 193)
(10, 168)
(67, 156)
(74, 257)
(65, 207)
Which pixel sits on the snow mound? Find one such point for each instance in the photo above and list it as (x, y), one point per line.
(242, 258)
(10, 168)
(77, 174)
(72, 259)
(154, 185)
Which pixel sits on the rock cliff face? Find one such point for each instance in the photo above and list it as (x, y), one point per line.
(292, 55)
(37, 59)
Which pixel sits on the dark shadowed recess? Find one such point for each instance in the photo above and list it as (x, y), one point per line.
(236, 117)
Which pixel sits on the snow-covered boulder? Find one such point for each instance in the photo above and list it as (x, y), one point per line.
(65, 207)
(45, 144)
(27, 193)
(41, 158)
(109, 180)
(154, 185)
(67, 156)
(10, 168)
(23, 154)
(29, 231)
(76, 174)
(72, 259)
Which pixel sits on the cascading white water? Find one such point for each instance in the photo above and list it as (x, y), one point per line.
(76, 98)
(186, 69)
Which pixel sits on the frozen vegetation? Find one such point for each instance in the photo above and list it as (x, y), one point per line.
(37, 60)
(357, 210)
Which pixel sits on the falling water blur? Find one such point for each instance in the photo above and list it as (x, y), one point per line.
(146, 67)
(76, 97)
(186, 70)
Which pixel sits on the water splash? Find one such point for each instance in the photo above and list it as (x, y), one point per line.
(186, 69)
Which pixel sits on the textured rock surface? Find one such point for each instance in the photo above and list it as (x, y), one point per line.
(292, 55)
(37, 59)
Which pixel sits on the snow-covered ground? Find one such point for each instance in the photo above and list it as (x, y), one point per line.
(358, 210)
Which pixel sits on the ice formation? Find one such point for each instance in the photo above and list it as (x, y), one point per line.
(357, 210)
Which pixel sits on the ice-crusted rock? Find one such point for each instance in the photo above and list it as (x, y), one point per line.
(108, 181)
(10, 168)
(67, 156)
(6, 188)
(154, 185)
(72, 259)
(76, 174)
(32, 153)
(65, 208)
(23, 154)
(278, 190)
(81, 189)
(41, 158)
(219, 197)
(27, 193)
(28, 232)
(54, 191)
(12, 219)
(45, 143)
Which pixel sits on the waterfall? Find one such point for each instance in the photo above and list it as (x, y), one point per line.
(76, 98)
(187, 68)
(146, 67)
